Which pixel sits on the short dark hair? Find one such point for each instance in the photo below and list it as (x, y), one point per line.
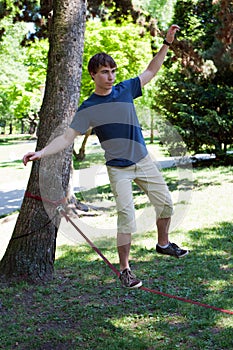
(98, 60)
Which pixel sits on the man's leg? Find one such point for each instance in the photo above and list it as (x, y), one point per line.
(121, 185)
(163, 230)
(128, 279)
(123, 247)
(151, 181)
(164, 246)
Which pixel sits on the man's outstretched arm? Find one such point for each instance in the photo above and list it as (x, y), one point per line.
(157, 61)
(58, 144)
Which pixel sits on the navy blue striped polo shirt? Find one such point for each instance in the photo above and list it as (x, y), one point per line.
(114, 120)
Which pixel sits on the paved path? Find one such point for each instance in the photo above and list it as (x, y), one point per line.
(11, 194)
(14, 176)
(14, 179)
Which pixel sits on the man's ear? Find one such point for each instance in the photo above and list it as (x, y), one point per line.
(92, 75)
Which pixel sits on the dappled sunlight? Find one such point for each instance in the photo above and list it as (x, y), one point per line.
(204, 275)
(86, 301)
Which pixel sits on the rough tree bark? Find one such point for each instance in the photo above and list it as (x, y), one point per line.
(31, 251)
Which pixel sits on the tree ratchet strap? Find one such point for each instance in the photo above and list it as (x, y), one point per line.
(46, 200)
(38, 198)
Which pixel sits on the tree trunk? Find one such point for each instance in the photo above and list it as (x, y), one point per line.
(81, 154)
(33, 124)
(10, 129)
(31, 250)
(152, 128)
(22, 126)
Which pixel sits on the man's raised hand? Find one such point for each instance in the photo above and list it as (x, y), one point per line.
(171, 33)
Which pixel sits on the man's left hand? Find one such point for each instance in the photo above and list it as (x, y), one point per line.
(171, 33)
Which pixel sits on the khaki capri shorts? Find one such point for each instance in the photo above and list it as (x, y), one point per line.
(148, 177)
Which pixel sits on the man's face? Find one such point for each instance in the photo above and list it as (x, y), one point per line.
(104, 78)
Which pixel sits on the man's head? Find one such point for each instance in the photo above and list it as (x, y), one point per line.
(100, 60)
(102, 69)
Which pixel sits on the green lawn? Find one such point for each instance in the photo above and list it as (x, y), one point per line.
(85, 307)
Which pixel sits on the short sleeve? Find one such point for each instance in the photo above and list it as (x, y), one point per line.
(135, 87)
(81, 121)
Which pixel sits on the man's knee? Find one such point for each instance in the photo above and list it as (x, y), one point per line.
(166, 212)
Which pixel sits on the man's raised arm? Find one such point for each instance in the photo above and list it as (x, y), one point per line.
(58, 144)
(157, 61)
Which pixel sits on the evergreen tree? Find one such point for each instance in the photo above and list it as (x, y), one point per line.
(197, 94)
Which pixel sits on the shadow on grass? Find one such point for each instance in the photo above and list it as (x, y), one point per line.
(202, 178)
(13, 163)
(85, 307)
(208, 268)
(104, 193)
(174, 183)
(9, 205)
(205, 276)
(207, 177)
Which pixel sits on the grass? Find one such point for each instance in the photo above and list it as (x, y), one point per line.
(85, 307)
(95, 154)
(12, 170)
(8, 139)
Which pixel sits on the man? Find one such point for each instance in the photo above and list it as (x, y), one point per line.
(110, 111)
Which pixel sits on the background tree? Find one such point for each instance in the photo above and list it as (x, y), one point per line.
(23, 72)
(161, 10)
(197, 94)
(119, 13)
(13, 72)
(31, 250)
